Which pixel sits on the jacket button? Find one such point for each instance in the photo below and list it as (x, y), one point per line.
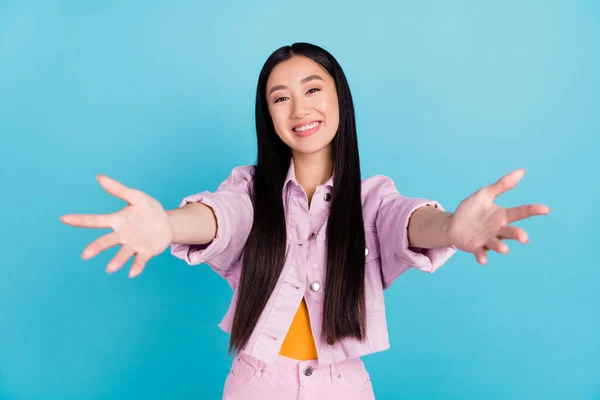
(311, 236)
(366, 251)
(315, 286)
(327, 197)
(308, 371)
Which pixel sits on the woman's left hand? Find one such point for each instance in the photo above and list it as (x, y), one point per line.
(478, 224)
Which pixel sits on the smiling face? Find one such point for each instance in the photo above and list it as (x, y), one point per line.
(303, 104)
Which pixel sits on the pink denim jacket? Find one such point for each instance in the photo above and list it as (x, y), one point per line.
(386, 214)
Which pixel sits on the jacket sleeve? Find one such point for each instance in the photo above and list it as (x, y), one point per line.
(233, 209)
(392, 221)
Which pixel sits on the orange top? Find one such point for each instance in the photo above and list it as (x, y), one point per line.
(299, 343)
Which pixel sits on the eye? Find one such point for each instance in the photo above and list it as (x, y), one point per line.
(310, 91)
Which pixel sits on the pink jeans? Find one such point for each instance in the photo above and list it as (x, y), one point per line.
(286, 378)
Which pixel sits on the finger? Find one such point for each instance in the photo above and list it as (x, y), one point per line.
(496, 245)
(513, 232)
(88, 220)
(522, 212)
(139, 263)
(119, 259)
(480, 255)
(102, 243)
(507, 182)
(117, 189)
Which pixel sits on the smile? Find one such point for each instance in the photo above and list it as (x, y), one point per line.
(307, 130)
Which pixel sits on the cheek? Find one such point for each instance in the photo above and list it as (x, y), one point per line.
(331, 110)
(279, 121)
(329, 104)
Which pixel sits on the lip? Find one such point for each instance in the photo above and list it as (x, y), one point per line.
(308, 132)
(305, 123)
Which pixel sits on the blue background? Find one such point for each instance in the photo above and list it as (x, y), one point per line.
(449, 96)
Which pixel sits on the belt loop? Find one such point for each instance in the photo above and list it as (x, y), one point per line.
(264, 371)
(334, 373)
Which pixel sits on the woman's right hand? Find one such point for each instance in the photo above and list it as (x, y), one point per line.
(141, 228)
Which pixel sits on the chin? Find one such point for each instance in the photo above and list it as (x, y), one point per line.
(307, 148)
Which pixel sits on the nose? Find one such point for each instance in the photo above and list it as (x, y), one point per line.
(299, 110)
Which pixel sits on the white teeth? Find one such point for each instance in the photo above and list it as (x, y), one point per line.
(306, 127)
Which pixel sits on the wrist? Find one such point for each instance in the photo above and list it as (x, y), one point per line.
(170, 225)
(447, 229)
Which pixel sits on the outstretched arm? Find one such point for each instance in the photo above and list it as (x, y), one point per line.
(477, 225)
(194, 223)
(143, 228)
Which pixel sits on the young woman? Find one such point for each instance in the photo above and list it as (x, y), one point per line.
(307, 247)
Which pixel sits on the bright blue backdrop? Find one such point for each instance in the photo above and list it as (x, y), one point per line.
(449, 97)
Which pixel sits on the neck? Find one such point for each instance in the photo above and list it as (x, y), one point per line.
(313, 169)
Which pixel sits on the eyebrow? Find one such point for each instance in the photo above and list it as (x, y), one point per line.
(307, 79)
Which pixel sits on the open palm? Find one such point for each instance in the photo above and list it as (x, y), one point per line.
(479, 225)
(141, 228)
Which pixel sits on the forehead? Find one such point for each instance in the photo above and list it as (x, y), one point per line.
(291, 71)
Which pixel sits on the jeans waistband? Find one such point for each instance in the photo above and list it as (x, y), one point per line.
(290, 367)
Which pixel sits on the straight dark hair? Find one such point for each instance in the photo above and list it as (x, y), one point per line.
(344, 313)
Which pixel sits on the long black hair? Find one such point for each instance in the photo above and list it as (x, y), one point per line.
(344, 313)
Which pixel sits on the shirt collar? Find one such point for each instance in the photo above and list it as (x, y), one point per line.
(291, 176)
